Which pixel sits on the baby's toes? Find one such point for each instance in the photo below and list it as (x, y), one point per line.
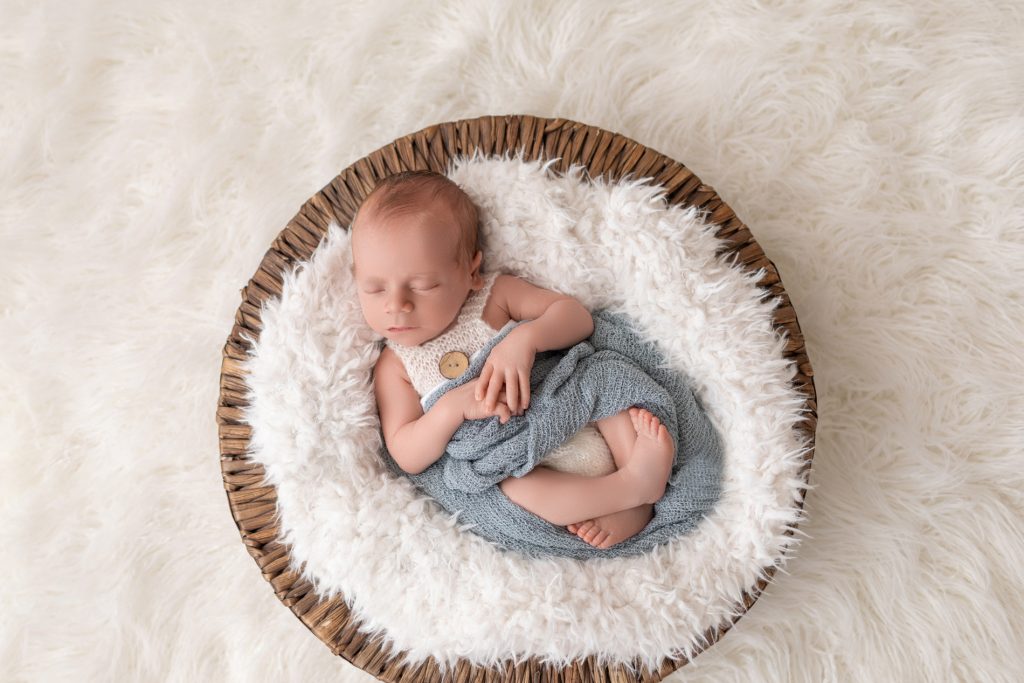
(588, 530)
(655, 425)
(663, 434)
(651, 424)
(572, 527)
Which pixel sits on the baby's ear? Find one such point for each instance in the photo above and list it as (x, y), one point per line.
(477, 276)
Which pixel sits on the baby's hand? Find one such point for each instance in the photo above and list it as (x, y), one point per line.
(472, 409)
(508, 367)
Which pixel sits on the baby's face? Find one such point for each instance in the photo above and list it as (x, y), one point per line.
(407, 276)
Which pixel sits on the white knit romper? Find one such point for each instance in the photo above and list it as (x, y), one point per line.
(585, 453)
(469, 334)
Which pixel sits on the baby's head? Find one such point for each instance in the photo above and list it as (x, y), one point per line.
(415, 257)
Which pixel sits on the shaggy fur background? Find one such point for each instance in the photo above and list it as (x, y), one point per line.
(149, 154)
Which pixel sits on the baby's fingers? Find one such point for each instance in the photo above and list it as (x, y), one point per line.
(524, 390)
(512, 388)
(493, 389)
(481, 383)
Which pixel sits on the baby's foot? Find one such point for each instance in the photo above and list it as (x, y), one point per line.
(607, 530)
(653, 453)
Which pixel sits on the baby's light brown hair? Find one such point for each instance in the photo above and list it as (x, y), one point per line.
(409, 190)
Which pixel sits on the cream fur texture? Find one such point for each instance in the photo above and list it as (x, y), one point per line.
(357, 530)
(150, 152)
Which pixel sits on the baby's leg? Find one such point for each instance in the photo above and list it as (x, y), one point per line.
(563, 498)
(623, 431)
(620, 435)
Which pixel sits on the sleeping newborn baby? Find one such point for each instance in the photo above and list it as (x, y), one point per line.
(417, 269)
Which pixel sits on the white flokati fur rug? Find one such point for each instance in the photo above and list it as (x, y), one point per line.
(403, 563)
(149, 153)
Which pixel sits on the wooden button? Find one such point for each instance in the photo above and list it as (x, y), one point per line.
(453, 364)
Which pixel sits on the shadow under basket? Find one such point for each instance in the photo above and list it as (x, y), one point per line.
(601, 153)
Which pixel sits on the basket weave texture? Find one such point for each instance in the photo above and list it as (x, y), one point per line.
(602, 153)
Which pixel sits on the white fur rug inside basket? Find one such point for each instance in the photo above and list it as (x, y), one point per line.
(406, 568)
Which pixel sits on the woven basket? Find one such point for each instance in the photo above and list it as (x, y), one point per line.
(602, 154)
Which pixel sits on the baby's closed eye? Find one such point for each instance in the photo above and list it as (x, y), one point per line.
(415, 289)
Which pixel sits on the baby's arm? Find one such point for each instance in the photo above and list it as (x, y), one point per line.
(556, 321)
(416, 439)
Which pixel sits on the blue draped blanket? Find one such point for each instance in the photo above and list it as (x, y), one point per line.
(612, 370)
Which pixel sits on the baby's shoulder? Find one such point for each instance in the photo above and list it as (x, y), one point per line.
(506, 286)
(521, 299)
(504, 280)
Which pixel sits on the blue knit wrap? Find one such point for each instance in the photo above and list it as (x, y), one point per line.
(612, 370)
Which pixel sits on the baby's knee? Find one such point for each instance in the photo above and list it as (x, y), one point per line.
(516, 488)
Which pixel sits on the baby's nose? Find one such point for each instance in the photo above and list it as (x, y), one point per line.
(399, 304)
